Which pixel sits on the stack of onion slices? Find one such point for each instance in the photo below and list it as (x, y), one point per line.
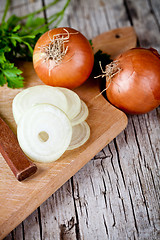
(133, 81)
(50, 120)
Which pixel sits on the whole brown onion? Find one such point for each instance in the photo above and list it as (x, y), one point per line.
(63, 57)
(133, 81)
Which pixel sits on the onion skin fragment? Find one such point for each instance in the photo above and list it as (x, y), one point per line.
(135, 89)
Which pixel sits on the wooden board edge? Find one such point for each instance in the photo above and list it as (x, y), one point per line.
(21, 215)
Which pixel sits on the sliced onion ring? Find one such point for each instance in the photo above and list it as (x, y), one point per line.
(35, 95)
(82, 116)
(80, 134)
(44, 133)
(74, 102)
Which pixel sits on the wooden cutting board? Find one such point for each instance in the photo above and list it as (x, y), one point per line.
(19, 199)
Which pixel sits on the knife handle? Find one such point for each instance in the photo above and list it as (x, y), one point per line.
(10, 149)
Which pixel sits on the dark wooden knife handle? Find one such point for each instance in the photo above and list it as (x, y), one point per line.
(10, 149)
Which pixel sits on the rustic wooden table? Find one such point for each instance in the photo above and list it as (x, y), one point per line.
(116, 195)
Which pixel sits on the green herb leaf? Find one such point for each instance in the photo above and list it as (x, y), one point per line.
(16, 28)
(91, 43)
(33, 22)
(12, 75)
(12, 21)
(15, 82)
(29, 46)
(2, 57)
(2, 79)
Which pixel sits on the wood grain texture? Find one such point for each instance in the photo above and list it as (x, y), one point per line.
(105, 121)
(116, 195)
(145, 22)
(123, 39)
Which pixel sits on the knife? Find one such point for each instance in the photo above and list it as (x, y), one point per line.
(10, 149)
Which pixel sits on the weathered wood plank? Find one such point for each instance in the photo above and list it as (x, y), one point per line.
(145, 22)
(58, 219)
(126, 197)
(116, 195)
(56, 8)
(155, 10)
(21, 8)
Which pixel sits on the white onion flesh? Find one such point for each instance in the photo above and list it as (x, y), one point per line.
(44, 132)
(80, 134)
(35, 95)
(74, 102)
(82, 116)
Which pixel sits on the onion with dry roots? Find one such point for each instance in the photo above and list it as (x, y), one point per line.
(63, 57)
(133, 81)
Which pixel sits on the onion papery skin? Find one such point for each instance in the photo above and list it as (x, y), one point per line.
(76, 66)
(135, 89)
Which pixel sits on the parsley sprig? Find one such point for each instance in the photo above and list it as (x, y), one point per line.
(18, 36)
